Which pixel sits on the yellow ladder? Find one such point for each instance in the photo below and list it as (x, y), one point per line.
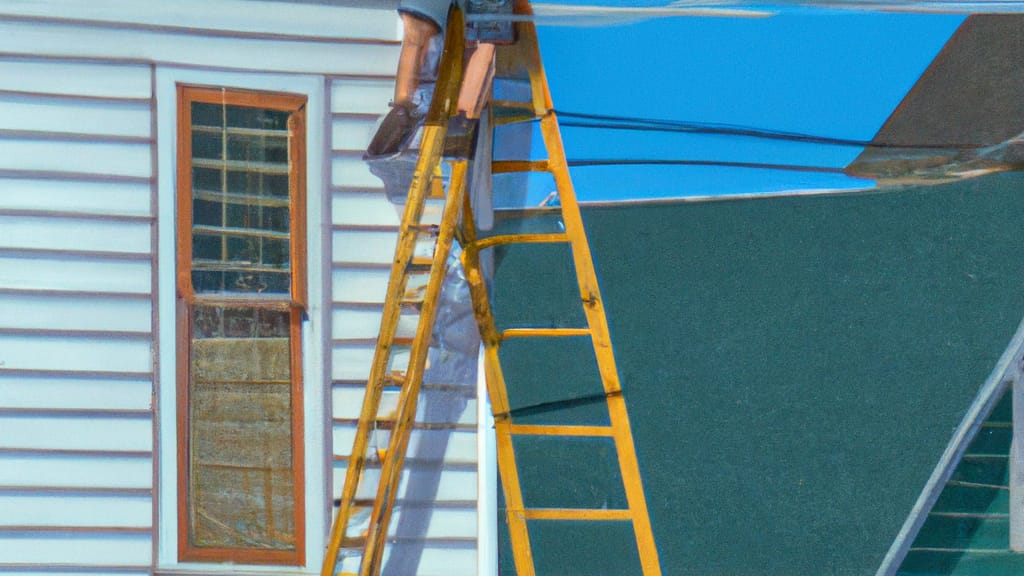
(523, 59)
(399, 361)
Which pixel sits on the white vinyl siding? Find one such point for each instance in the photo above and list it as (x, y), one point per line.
(79, 168)
(76, 332)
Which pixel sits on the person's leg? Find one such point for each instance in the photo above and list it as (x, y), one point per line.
(421, 21)
(476, 81)
(476, 84)
(415, 44)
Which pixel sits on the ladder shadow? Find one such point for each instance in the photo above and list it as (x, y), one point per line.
(448, 385)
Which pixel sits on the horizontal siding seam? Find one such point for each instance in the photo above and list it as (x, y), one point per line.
(361, 265)
(95, 374)
(433, 426)
(339, 190)
(79, 254)
(204, 32)
(51, 136)
(74, 176)
(76, 333)
(141, 414)
(73, 215)
(64, 97)
(349, 115)
(97, 568)
(54, 293)
(389, 228)
(176, 64)
(413, 464)
(78, 452)
(78, 529)
(77, 490)
(426, 387)
(420, 504)
(353, 305)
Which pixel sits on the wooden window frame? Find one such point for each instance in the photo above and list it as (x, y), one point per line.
(295, 303)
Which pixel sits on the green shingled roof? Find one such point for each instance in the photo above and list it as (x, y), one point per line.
(794, 368)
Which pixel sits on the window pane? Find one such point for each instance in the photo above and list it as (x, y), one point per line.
(240, 186)
(241, 479)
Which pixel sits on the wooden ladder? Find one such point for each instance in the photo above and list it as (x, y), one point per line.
(523, 59)
(428, 226)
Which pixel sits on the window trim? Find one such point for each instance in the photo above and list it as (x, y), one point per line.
(296, 304)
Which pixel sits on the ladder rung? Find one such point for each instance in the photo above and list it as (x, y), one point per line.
(576, 514)
(414, 303)
(353, 542)
(419, 264)
(429, 229)
(395, 379)
(543, 332)
(436, 189)
(512, 112)
(521, 239)
(557, 430)
(512, 166)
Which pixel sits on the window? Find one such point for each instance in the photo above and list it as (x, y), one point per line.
(240, 304)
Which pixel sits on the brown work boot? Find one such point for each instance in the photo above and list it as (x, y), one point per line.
(394, 131)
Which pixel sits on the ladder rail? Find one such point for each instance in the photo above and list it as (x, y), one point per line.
(494, 378)
(435, 126)
(527, 50)
(391, 471)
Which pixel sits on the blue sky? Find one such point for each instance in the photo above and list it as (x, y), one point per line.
(829, 73)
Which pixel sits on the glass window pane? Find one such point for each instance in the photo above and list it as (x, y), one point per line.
(243, 117)
(241, 215)
(258, 148)
(204, 114)
(207, 145)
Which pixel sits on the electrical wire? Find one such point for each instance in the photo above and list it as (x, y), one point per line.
(715, 163)
(606, 122)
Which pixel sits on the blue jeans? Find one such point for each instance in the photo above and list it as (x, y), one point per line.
(437, 10)
(434, 10)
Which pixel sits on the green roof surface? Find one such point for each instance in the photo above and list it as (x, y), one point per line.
(793, 366)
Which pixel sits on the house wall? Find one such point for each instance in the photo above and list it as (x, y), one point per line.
(86, 346)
